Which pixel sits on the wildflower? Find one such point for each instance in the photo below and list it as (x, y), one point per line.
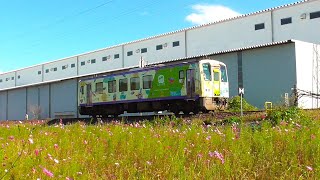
(85, 142)
(236, 131)
(79, 173)
(49, 156)
(56, 146)
(149, 163)
(30, 141)
(47, 172)
(36, 152)
(217, 155)
(56, 161)
(11, 138)
(283, 123)
(117, 164)
(208, 138)
(199, 155)
(309, 168)
(313, 136)
(218, 132)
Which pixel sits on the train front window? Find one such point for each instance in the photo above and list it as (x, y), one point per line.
(82, 90)
(216, 76)
(207, 71)
(224, 77)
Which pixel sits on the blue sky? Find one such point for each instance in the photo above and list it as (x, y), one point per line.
(34, 31)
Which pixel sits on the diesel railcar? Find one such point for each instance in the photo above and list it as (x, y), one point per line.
(201, 85)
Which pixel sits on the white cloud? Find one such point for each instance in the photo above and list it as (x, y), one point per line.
(209, 13)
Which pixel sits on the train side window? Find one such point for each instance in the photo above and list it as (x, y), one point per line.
(207, 71)
(123, 85)
(112, 86)
(147, 82)
(181, 74)
(135, 83)
(99, 87)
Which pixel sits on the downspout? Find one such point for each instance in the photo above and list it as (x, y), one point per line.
(272, 27)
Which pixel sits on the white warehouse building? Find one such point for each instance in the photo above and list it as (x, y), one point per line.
(257, 48)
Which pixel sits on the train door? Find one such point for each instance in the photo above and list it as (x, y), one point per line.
(89, 95)
(216, 81)
(190, 83)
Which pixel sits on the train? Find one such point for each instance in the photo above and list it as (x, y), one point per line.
(184, 86)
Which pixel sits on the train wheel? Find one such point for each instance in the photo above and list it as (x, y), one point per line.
(186, 112)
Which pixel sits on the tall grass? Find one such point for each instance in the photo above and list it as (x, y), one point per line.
(163, 149)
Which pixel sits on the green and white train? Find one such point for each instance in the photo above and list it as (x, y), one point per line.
(200, 85)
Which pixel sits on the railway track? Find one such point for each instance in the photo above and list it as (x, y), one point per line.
(216, 115)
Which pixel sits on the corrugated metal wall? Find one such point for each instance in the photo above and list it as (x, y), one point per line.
(267, 73)
(63, 97)
(17, 103)
(3, 105)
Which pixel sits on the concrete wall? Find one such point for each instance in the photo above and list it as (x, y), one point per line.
(302, 27)
(7, 80)
(60, 69)
(229, 35)
(29, 75)
(308, 76)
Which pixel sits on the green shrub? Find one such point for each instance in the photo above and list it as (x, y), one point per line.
(234, 105)
(289, 115)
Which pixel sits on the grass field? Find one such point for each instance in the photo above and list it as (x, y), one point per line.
(284, 145)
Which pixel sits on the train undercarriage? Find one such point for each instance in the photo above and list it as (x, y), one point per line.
(175, 106)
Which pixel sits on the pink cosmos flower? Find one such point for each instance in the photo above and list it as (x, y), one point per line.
(36, 152)
(217, 155)
(47, 172)
(236, 131)
(309, 168)
(11, 138)
(208, 138)
(56, 146)
(50, 156)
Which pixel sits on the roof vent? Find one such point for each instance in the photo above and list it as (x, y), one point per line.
(303, 16)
